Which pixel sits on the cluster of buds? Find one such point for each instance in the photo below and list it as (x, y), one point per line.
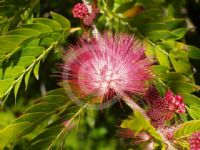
(175, 102)
(162, 109)
(81, 11)
(194, 141)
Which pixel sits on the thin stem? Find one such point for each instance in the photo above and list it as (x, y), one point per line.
(89, 7)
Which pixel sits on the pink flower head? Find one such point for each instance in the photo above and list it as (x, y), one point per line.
(108, 65)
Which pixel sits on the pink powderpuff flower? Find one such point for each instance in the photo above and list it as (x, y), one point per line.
(109, 65)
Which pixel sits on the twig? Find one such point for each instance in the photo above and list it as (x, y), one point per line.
(89, 7)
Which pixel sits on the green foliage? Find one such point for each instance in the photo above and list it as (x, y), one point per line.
(25, 48)
(14, 13)
(194, 112)
(187, 128)
(61, 113)
(125, 6)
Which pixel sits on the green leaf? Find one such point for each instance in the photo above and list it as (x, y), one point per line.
(13, 72)
(42, 144)
(36, 70)
(42, 28)
(7, 46)
(190, 99)
(34, 42)
(162, 57)
(61, 99)
(11, 133)
(180, 33)
(160, 35)
(51, 23)
(125, 6)
(178, 64)
(62, 20)
(49, 132)
(173, 76)
(16, 88)
(26, 79)
(183, 87)
(5, 85)
(149, 14)
(150, 50)
(187, 128)
(15, 39)
(158, 69)
(25, 32)
(7, 118)
(46, 42)
(193, 52)
(174, 24)
(32, 51)
(194, 112)
(110, 4)
(59, 91)
(149, 27)
(41, 107)
(25, 61)
(30, 117)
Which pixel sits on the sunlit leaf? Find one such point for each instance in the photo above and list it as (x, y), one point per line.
(173, 76)
(17, 86)
(36, 70)
(51, 23)
(183, 87)
(162, 57)
(190, 99)
(187, 128)
(62, 20)
(178, 64)
(11, 133)
(158, 35)
(42, 28)
(194, 112)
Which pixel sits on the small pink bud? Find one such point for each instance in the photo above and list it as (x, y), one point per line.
(79, 11)
(177, 104)
(179, 98)
(169, 95)
(194, 141)
(171, 107)
(173, 100)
